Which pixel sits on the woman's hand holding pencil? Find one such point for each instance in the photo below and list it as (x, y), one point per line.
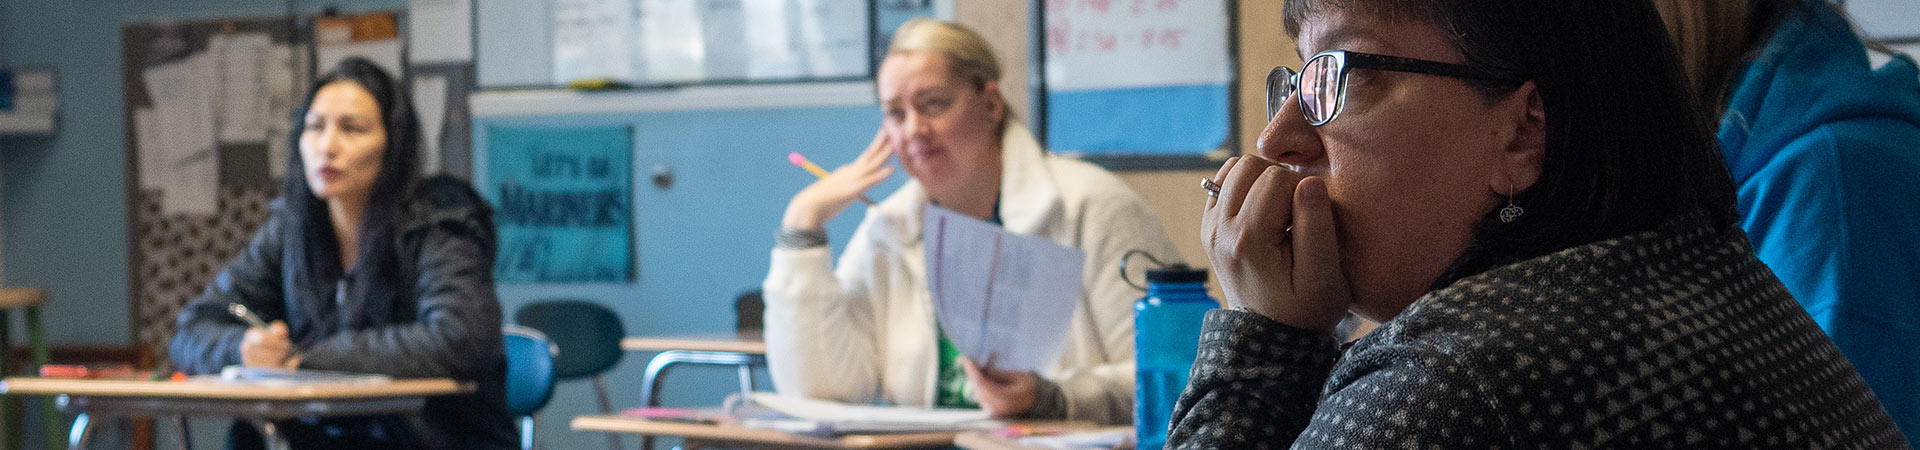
(835, 191)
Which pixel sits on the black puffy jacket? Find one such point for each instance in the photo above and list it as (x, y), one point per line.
(441, 320)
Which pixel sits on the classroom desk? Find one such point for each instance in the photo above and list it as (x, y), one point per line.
(743, 350)
(259, 403)
(29, 300)
(734, 436)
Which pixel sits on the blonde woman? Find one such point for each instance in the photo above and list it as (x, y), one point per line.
(864, 330)
(1820, 141)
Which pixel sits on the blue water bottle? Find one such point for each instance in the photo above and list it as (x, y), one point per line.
(1166, 325)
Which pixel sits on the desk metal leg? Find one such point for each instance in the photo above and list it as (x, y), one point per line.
(185, 433)
(746, 380)
(81, 433)
(37, 339)
(10, 420)
(657, 366)
(271, 433)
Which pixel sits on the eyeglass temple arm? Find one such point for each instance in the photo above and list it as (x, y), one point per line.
(1399, 64)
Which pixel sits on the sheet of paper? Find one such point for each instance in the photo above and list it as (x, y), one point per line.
(1004, 299)
(147, 142)
(1107, 45)
(592, 39)
(286, 81)
(241, 95)
(440, 31)
(826, 411)
(383, 52)
(833, 34)
(182, 94)
(672, 46)
(430, 104)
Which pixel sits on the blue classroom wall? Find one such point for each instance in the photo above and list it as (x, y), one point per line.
(701, 242)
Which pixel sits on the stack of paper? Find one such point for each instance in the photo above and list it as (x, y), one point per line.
(1005, 300)
(820, 417)
(297, 376)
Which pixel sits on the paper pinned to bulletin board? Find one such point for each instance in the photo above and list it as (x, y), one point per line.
(374, 36)
(563, 203)
(1137, 76)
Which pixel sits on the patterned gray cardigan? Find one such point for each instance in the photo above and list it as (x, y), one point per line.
(1675, 338)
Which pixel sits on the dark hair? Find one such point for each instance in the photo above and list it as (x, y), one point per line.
(1626, 147)
(311, 230)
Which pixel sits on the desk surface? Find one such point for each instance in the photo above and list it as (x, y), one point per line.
(18, 297)
(740, 342)
(209, 389)
(735, 434)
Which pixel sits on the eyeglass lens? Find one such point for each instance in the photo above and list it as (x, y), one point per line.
(1320, 89)
(1319, 83)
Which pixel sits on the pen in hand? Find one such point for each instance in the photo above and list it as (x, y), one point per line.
(240, 311)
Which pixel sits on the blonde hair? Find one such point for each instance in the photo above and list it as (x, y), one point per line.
(1712, 37)
(969, 56)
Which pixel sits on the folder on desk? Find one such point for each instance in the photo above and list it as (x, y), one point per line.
(824, 418)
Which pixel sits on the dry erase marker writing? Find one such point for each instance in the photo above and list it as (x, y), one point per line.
(802, 161)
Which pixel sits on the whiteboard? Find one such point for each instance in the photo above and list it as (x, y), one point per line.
(671, 42)
(1136, 44)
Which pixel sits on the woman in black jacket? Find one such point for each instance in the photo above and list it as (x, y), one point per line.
(364, 268)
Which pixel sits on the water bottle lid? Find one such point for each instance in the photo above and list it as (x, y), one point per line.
(1177, 273)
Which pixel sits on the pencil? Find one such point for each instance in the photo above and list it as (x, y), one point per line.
(802, 161)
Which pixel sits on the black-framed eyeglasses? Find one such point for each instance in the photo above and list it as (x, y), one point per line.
(1322, 81)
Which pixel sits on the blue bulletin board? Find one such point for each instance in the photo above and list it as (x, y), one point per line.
(563, 203)
(1137, 84)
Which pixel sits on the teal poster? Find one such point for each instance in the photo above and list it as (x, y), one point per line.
(563, 203)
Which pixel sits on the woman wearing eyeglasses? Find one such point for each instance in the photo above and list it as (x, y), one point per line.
(1819, 139)
(864, 329)
(1521, 193)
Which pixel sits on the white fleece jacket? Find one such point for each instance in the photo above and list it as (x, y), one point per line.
(864, 331)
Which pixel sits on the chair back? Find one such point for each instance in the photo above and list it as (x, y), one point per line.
(749, 311)
(588, 335)
(530, 377)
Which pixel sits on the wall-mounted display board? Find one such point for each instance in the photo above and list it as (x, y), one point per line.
(551, 43)
(563, 203)
(1137, 83)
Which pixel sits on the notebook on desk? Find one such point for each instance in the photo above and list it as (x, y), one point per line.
(825, 418)
(301, 376)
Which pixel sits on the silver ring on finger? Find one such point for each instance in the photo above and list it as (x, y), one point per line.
(1213, 189)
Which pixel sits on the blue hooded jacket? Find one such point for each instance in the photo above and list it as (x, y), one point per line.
(1825, 150)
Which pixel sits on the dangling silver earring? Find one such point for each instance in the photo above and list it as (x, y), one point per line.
(1511, 212)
